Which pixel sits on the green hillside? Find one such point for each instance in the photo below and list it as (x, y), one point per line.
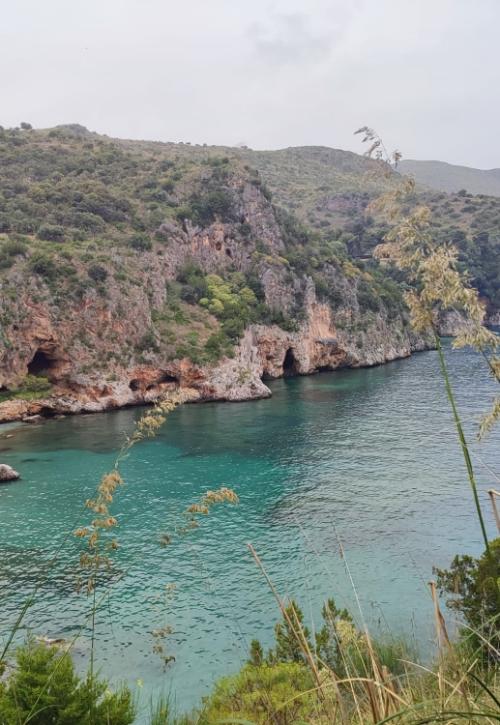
(451, 178)
(69, 193)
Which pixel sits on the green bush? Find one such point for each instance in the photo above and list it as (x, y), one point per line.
(43, 265)
(141, 242)
(206, 208)
(51, 233)
(281, 694)
(14, 248)
(43, 689)
(147, 342)
(473, 587)
(97, 273)
(367, 297)
(232, 301)
(35, 384)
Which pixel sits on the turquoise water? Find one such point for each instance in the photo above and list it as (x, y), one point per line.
(365, 457)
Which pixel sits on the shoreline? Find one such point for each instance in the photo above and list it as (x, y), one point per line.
(61, 406)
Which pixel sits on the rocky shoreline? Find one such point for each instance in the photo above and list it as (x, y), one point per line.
(264, 353)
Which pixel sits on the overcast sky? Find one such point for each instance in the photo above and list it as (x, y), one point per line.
(268, 73)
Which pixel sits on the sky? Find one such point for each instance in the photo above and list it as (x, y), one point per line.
(267, 73)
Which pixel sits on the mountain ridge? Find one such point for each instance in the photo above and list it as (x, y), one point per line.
(447, 177)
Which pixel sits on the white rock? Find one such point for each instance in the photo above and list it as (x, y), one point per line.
(7, 473)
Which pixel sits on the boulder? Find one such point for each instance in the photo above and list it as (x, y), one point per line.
(7, 473)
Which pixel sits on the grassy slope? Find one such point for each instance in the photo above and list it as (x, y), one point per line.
(104, 191)
(451, 178)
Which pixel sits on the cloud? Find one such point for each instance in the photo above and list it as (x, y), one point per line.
(276, 73)
(289, 39)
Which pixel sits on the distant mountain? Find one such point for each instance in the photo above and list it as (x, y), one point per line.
(451, 178)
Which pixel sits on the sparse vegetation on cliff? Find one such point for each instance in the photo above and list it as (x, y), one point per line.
(117, 256)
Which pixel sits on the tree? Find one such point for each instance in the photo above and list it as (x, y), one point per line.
(45, 689)
(473, 588)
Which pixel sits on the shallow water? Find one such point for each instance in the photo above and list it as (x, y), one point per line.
(365, 457)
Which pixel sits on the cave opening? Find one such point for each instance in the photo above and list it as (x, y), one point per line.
(166, 378)
(47, 412)
(41, 364)
(290, 365)
(134, 384)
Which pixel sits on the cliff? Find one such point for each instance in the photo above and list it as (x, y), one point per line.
(125, 274)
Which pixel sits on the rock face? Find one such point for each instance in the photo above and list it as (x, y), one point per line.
(265, 352)
(7, 473)
(115, 334)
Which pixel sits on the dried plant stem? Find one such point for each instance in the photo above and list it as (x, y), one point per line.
(297, 630)
(298, 633)
(463, 441)
(493, 494)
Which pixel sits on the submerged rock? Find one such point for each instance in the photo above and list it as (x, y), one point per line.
(7, 473)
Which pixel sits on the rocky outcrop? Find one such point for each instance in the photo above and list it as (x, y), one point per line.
(265, 352)
(115, 334)
(7, 473)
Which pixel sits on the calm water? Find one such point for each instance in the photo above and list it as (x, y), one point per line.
(367, 457)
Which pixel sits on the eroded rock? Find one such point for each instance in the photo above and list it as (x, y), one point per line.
(7, 473)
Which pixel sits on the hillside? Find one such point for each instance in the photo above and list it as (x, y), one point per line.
(451, 178)
(131, 268)
(329, 191)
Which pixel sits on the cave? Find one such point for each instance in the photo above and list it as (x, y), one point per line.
(47, 412)
(166, 378)
(137, 384)
(290, 364)
(41, 364)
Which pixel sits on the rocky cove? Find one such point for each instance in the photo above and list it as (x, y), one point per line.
(222, 291)
(264, 353)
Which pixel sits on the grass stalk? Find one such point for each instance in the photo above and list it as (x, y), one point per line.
(463, 441)
(493, 494)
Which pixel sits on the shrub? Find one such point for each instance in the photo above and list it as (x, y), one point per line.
(141, 242)
(43, 265)
(217, 345)
(280, 694)
(51, 232)
(473, 588)
(35, 384)
(207, 208)
(194, 285)
(14, 248)
(97, 273)
(147, 342)
(367, 297)
(45, 689)
(232, 302)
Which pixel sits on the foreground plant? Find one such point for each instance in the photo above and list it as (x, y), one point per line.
(437, 286)
(43, 689)
(361, 681)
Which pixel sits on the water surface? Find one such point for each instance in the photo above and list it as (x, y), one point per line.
(363, 457)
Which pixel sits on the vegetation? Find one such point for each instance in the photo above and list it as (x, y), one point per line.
(472, 586)
(453, 178)
(33, 387)
(43, 688)
(338, 674)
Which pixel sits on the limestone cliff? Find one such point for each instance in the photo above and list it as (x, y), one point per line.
(206, 286)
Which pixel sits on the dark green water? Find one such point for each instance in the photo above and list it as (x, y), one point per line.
(368, 457)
